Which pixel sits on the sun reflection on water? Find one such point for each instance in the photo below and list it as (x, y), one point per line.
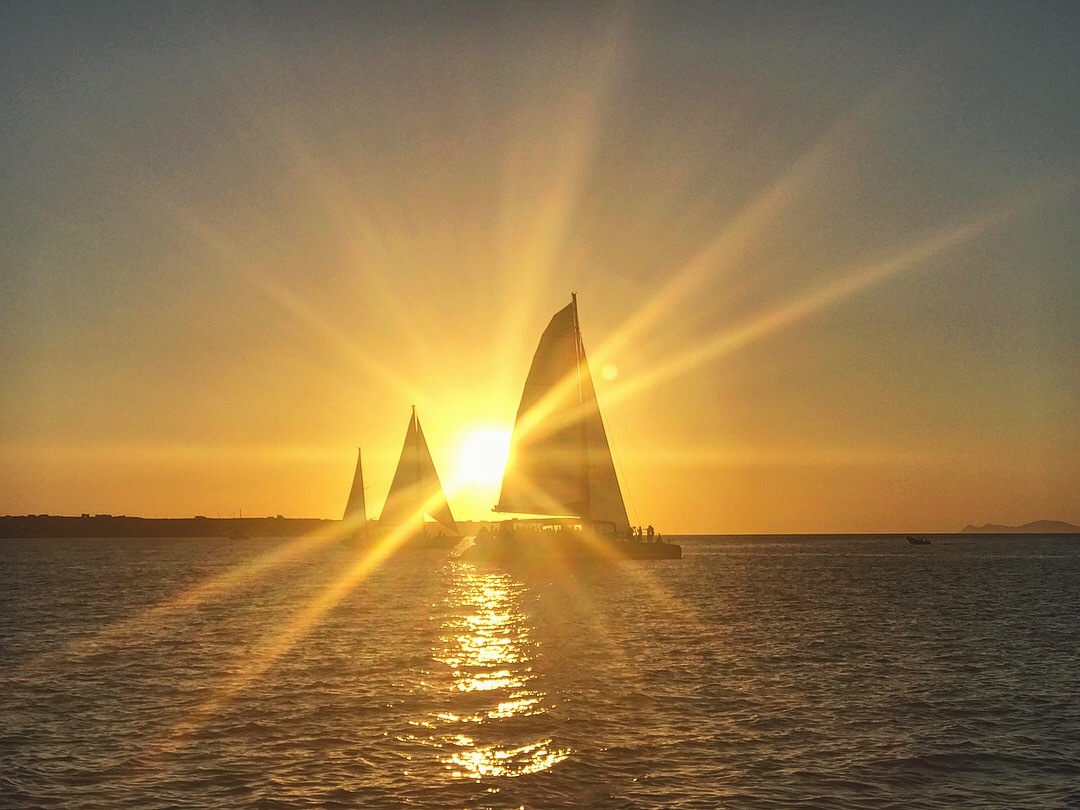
(491, 718)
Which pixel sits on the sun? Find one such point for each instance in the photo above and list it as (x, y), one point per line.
(482, 457)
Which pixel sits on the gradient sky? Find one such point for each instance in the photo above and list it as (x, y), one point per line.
(826, 254)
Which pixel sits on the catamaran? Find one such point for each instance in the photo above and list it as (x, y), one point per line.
(560, 467)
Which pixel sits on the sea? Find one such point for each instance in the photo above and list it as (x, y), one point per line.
(756, 672)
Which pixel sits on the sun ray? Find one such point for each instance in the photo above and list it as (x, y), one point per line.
(258, 660)
(847, 284)
(746, 232)
(544, 179)
(134, 629)
(232, 259)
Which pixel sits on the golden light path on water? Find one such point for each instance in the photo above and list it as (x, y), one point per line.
(485, 684)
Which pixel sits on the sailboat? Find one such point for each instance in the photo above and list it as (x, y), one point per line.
(355, 521)
(415, 492)
(560, 467)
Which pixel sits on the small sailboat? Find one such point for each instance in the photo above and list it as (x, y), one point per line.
(355, 520)
(415, 492)
(560, 467)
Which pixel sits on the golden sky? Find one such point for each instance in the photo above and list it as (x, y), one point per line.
(826, 256)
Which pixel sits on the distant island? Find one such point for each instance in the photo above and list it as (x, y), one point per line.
(1035, 527)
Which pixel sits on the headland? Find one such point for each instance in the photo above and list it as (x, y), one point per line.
(1035, 527)
(88, 526)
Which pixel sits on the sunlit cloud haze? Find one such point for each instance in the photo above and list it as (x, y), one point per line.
(825, 255)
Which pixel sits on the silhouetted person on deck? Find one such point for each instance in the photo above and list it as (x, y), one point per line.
(650, 531)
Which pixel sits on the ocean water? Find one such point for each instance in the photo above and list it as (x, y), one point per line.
(831, 672)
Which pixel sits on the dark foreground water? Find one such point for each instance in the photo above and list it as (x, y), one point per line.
(784, 672)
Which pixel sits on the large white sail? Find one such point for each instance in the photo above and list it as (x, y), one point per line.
(545, 473)
(415, 490)
(560, 462)
(356, 507)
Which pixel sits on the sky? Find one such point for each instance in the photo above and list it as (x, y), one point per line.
(826, 254)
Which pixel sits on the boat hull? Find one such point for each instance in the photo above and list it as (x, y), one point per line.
(560, 549)
(658, 550)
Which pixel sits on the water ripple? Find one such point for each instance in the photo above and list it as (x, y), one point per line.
(814, 672)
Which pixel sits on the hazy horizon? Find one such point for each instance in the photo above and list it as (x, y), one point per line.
(1058, 527)
(825, 256)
